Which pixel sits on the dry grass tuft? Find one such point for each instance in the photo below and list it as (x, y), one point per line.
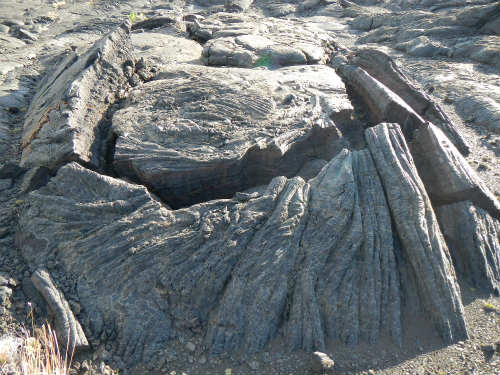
(35, 352)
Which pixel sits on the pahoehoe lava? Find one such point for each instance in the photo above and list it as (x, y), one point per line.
(242, 199)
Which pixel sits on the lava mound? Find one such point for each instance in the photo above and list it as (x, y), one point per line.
(248, 205)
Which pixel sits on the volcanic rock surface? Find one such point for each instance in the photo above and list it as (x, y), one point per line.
(254, 176)
(201, 133)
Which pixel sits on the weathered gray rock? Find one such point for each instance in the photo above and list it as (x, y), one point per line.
(35, 178)
(237, 5)
(447, 176)
(483, 49)
(309, 4)
(68, 329)
(247, 41)
(149, 273)
(418, 230)
(62, 123)
(277, 261)
(423, 34)
(279, 9)
(7, 183)
(237, 218)
(5, 143)
(22, 33)
(466, 209)
(492, 27)
(473, 238)
(324, 244)
(479, 15)
(164, 49)
(381, 67)
(482, 110)
(4, 279)
(422, 46)
(201, 133)
(383, 104)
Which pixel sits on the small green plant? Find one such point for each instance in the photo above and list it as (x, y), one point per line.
(490, 307)
(265, 61)
(134, 17)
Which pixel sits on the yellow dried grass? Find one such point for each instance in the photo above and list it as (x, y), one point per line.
(35, 352)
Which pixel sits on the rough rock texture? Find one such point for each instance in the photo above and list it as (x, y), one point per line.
(68, 329)
(62, 123)
(425, 34)
(457, 33)
(203, 133)
(381, 67)
(482, 110)
(313, 261)
(418, 229)
(155, 22)
(4, 137)
(244, 41)
(446, 174)
(286, 250)
(383, 103)
(163, 49)
(466, 209)
(237, 5)
(473, 237)
(241, 215)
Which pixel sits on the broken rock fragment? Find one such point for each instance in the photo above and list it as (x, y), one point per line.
(447, 176)
(382, 68)
(68, 329)
(248, 41)
(383, 104)
(418, 229)
(466, 209)
(473, 237)
(62, 122)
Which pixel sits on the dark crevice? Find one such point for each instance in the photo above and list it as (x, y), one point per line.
(474, 195)
(354, 128)
(103, 148)
(155, 22)
(223, 180)
(106, 140)
(108, 168)
(260, 166)
(200, 37)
